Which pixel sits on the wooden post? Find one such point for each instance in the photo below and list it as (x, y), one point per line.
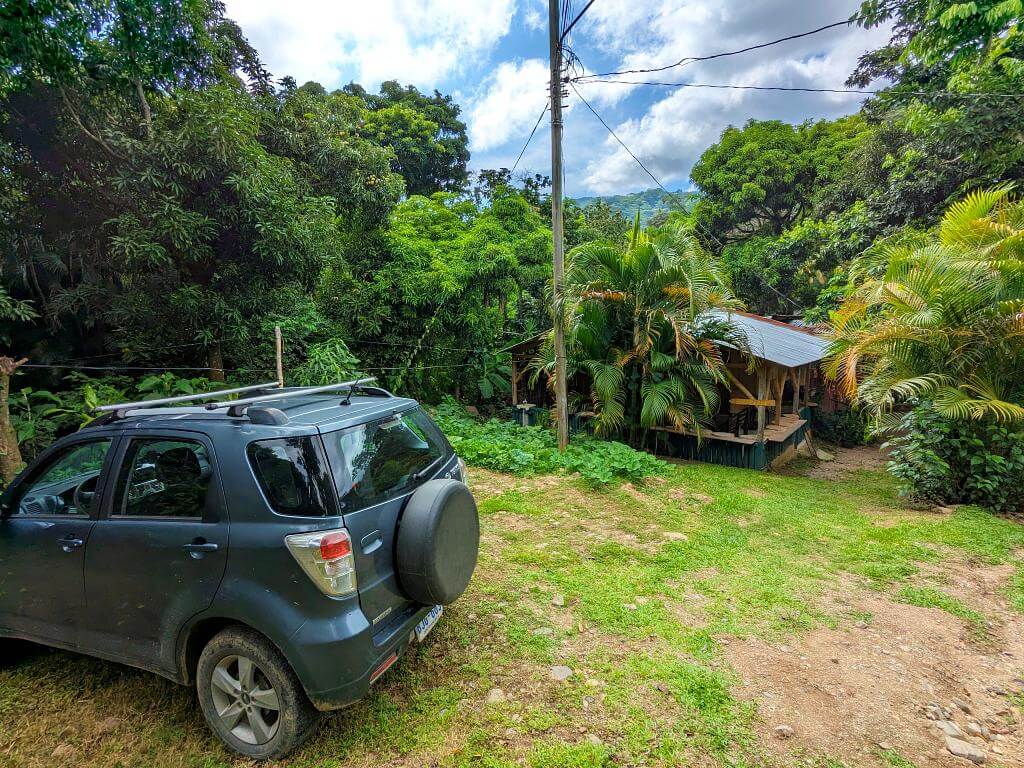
(794, 376)
(279, 348)
(762, 393)
(780, 382)
(515, 384)
(10, 453)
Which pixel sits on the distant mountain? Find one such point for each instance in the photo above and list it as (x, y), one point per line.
(650, 201)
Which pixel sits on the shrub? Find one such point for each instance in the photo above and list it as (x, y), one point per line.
(504, 446)
(845, 427)
(943, 461)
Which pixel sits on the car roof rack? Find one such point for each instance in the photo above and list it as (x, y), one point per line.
(240, 406)
(118, 410)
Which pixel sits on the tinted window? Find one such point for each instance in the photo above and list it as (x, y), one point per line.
(376, 461)
(163, 478)
(53, 492)
(292, 476)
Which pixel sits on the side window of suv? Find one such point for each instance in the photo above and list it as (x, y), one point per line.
(163, 477)
(292, 476)
(67, 484)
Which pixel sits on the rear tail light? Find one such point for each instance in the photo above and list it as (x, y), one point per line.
(463, 474)
(326, 557)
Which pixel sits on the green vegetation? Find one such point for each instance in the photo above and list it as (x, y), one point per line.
(506, 447)
(638, 328)
(794, 204)
(658, 588)
(935, 321)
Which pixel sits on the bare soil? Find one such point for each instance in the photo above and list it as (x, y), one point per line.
(846, 462)
(865, 687)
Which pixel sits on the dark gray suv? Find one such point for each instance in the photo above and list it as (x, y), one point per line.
(279, 551)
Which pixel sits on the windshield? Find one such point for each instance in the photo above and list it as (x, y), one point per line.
(374, 462)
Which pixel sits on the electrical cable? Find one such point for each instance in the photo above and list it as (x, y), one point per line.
(528, 140)
(572, 24)
(801, 89)
(672, 195)
(691, 59)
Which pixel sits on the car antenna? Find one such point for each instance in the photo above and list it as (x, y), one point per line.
(348, 395)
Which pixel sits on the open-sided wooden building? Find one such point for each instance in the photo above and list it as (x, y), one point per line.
(765, 406)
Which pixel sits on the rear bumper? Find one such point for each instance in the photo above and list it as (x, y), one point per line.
(335, 659)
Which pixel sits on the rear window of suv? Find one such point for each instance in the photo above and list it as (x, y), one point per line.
(377, 461)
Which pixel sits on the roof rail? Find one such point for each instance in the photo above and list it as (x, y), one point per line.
(120, 408)
(238, 407)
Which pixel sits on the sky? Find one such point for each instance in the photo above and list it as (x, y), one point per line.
(492, 57)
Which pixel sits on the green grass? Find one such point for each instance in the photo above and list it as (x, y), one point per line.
(653, 580)
(929, 597)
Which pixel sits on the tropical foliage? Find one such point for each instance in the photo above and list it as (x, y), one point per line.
(503, 446)
(940, 316)
(642, 329)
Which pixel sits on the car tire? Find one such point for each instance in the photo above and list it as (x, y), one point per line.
(13, 652)
(250, 696)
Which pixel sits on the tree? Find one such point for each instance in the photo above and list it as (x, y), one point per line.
(427, 299)
(939, 317)
(429, 140)
(766, 176)
(639, 328)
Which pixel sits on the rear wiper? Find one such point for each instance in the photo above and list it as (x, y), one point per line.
(421, 473)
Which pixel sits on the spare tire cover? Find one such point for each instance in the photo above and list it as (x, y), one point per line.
(438, 540)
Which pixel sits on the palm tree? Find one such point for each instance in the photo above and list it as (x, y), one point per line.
(639, 326)
(940, 316)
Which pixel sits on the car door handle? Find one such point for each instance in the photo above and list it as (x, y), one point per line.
(70, 543)
(199, 548)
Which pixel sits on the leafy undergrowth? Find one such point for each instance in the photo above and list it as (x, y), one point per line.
(503, 446)
(634, 589)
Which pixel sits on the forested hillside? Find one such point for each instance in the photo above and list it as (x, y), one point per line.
(649, 203)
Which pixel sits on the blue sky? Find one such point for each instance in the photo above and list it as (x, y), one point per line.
(491, 55)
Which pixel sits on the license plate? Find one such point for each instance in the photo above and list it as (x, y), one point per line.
(428, 622)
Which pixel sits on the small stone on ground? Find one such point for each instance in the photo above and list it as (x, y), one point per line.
(784, 731)
(561, 672)
(495, 696)
(965, 749)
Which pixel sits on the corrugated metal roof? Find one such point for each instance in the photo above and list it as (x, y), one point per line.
(776, 341)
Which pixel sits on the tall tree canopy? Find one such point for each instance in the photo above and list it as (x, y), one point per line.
(425, 133)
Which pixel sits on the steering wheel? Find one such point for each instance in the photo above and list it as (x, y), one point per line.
(84, 496)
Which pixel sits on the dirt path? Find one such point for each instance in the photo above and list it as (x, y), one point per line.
(894, 682)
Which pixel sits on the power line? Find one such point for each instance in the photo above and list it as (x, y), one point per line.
(691, 59)
(667, 192)
(529, 139)
(802, 89)
(572, 24)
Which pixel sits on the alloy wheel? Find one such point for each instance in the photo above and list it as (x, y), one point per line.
(245, 700)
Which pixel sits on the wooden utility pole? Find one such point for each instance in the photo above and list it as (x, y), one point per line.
(558, 265)
(279, 354)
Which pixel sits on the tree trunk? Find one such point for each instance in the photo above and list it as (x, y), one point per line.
(215, 360)
(147, 114)
(10, 454)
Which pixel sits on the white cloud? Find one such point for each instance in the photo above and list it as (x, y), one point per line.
(535, 19)
(414, 41)
(508, 103)
(676, 125)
